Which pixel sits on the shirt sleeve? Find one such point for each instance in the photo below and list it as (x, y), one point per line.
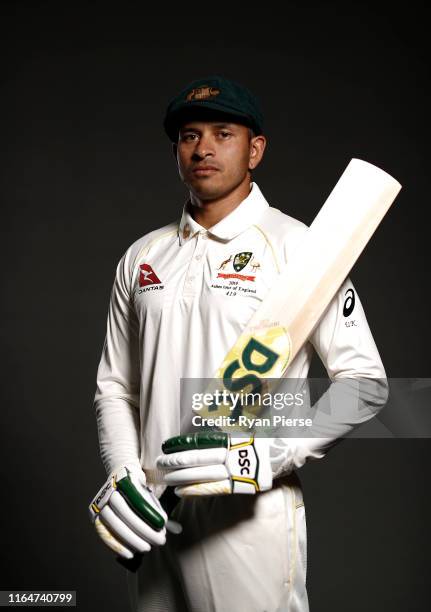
(116, 401)
(358, 388)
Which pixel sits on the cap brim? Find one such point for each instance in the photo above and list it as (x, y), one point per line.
(203, 111)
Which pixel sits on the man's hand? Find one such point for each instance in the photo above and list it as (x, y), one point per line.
(127, 515)
(215, 463)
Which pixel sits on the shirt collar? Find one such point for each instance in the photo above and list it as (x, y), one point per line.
(240, 219)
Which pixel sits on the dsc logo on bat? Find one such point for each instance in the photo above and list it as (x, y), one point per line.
(263, 355)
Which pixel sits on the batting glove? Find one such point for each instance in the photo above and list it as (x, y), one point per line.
(215, 463)
(127, 515)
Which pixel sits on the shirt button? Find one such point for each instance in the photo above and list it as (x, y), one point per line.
(198, 257)
(190, 279)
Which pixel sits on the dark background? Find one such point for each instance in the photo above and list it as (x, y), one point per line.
(87, 170)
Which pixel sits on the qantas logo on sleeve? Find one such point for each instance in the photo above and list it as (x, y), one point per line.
(148, 278)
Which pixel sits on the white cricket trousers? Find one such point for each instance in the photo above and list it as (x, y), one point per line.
(237, 553)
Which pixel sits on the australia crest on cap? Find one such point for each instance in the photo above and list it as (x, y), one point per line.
(202, 93)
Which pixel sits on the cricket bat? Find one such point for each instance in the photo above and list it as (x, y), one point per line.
(316, 270)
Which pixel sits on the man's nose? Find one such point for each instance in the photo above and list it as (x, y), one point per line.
(204, 147)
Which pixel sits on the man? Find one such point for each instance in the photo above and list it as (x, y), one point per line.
(181, 296)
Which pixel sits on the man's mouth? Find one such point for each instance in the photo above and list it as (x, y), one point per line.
(204, 170)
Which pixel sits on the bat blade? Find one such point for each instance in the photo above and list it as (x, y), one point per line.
(292, 308)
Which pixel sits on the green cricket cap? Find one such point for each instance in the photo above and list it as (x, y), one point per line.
(213, 98)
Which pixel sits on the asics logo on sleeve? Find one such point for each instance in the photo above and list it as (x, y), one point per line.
(349, 303)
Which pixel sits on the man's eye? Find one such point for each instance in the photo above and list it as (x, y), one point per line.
(188, 137)
(224, 134)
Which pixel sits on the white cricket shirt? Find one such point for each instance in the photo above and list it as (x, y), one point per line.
(182, 295)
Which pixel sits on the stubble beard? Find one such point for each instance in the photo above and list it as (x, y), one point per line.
(206, 190)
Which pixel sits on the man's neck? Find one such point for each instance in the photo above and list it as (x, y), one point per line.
(209, 212)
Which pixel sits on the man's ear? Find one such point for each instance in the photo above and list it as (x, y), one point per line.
(257, 148)
(174, 150)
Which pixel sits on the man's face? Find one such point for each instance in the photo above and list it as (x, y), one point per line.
(215, 157)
